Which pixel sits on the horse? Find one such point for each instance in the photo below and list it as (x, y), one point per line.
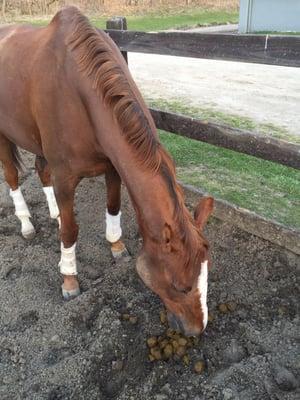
(67, 96)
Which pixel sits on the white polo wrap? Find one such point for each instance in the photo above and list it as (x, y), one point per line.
(51, 200)
(19, 202)
(22, 212)
(67, 262)
(113, 227)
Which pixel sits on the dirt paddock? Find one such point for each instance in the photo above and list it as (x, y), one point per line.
(82, 349)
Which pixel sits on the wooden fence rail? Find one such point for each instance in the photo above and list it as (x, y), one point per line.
(262, 49)
(275, 50)
(230, 138)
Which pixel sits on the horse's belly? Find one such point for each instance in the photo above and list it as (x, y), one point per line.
(20, 132)
(87, 168)
(16, 120)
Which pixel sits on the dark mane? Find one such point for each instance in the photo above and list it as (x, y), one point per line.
(187, 230)
(95, 58)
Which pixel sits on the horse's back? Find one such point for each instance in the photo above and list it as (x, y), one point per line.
(40, 101)
(31, 68)
(18, 45)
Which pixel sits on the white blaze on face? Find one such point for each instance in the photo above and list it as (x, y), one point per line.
(202, 287)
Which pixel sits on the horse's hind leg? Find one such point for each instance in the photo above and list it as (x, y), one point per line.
(113, 214)
(10, 163)
(43, 170)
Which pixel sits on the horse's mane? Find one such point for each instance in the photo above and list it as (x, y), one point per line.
(96, 58)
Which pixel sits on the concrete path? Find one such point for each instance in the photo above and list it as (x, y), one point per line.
(266, 94)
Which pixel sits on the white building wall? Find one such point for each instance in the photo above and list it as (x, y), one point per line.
(269, 15)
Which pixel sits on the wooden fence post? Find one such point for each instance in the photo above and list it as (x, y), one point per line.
(119, 23)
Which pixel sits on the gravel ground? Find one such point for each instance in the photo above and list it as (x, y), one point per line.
(83, 349)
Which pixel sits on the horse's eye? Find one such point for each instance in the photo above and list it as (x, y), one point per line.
(187, 290)
(183, 290)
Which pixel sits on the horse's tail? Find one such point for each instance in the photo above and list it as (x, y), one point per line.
(16, 157)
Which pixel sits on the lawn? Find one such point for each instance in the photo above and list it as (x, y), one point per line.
(233, 120)
(177, 21)
(160, 22)
(269, 189)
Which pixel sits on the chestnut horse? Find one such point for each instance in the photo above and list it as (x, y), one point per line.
(67, 96)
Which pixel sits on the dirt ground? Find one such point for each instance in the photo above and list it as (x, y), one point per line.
(82, 349)
(247, 90)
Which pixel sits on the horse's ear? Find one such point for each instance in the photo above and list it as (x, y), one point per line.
(166, 235)
(203, 210)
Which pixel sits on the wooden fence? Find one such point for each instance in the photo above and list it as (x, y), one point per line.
(263, 49)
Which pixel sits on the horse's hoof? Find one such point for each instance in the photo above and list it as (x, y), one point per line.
(117, 254)
(70, 294)
(28, 235)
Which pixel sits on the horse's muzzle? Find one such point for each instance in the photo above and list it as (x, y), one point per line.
(177, 324)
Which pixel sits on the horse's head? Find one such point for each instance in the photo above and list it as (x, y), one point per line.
(176, 269)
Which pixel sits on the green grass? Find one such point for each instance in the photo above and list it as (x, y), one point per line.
(232, 120)
(179, 21)
(161, 22)
(269, 189)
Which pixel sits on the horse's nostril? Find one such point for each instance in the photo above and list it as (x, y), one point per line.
(175, 323)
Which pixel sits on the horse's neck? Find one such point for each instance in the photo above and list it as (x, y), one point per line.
(149, 191)
(152, 201)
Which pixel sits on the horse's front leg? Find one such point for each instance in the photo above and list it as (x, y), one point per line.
(64, 193)
(113, 214)
(43, 170)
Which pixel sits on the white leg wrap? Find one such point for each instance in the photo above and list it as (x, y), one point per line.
(22, 212)
(67, 262)
(52, 204)
(19, 202)
(113, 227)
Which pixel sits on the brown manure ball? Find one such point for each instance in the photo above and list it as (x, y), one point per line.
(156, 353)
(133, 319)
(231, 306)
(173, 345)
(186, 359)
(180, 351)
(199, 367)
(223, 308)
(210, 318)
(163, 317)
(168, 351)
(152, 341)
